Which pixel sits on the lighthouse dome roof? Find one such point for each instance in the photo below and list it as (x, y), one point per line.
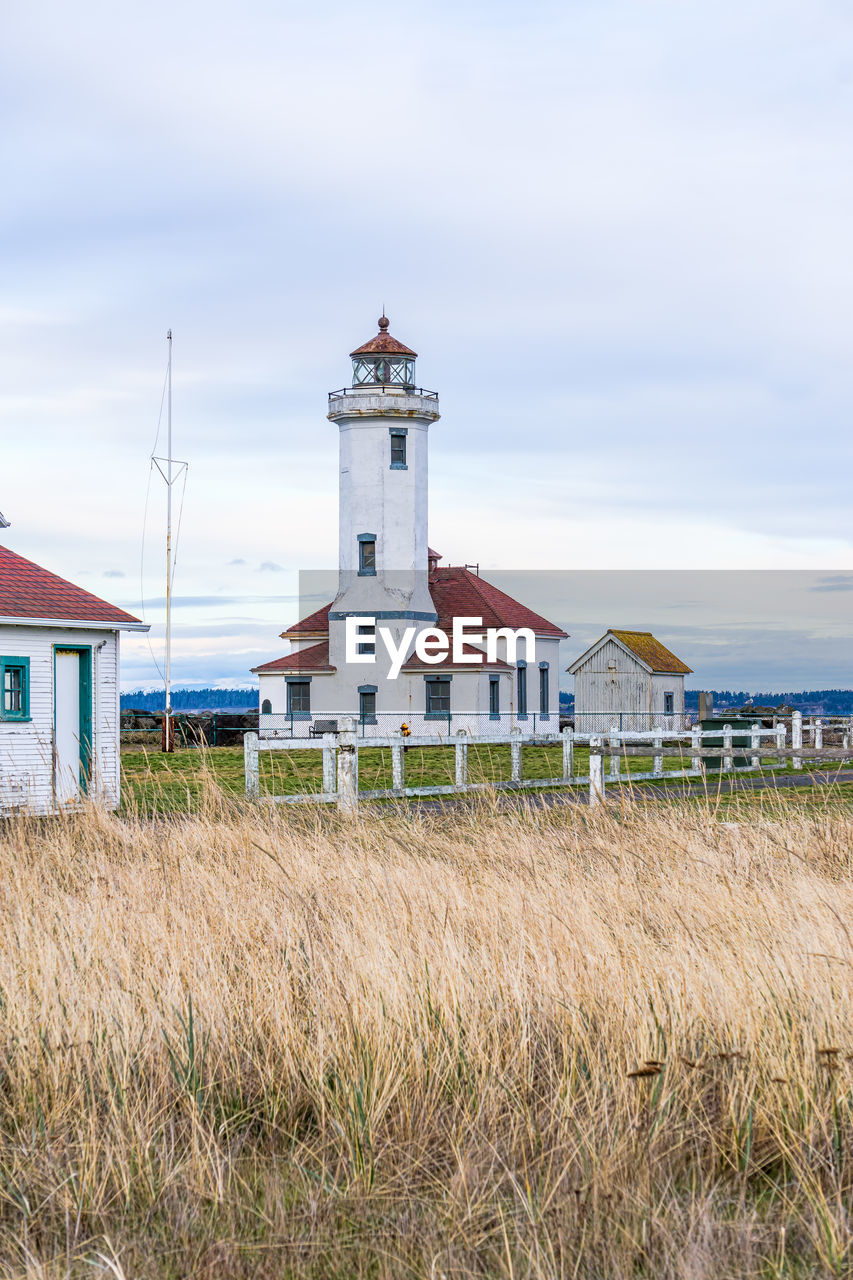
(383, 344)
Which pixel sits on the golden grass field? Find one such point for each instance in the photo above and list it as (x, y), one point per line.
(561, 1043)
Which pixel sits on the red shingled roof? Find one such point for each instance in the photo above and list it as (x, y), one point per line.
(457, 593)
(315, 659)
(28, 591)
(315, 624)
(383, 344)
(417, 664)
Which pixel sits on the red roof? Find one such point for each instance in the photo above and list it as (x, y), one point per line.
(314, 659)
(383, 344)
(458, 592)
(315, 624)
(417, 664)
(28, 591)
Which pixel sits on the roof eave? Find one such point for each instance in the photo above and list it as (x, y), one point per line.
(86, 624)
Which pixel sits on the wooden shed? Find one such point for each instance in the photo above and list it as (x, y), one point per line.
(631, 680)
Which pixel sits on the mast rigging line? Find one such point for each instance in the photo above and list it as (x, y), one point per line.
(170, 478)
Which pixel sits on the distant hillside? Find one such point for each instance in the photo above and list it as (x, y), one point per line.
(192, 700)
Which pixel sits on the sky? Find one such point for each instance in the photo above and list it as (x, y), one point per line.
(617, 233)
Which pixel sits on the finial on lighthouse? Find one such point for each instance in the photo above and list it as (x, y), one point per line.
(384, 322)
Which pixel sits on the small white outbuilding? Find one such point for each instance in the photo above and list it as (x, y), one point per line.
(631, 680)
(59, 690)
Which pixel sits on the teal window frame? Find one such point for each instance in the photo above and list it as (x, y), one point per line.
(521, 687)
(366, 570)
(544, 691)
(494, 697)
(669, 703)
(86, 707)
(397, 437)
(303, 682)
(266, 707)
(22, 665)
(366, 692)
(431, 691)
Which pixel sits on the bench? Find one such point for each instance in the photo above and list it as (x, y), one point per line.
(319, 727)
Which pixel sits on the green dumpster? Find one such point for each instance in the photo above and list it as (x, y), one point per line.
(741, 737)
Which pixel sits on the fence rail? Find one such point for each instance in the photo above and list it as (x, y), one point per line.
(733, 750)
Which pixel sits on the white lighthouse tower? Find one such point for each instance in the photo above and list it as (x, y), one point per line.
(384, 421)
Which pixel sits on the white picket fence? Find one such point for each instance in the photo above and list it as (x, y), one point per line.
(729, 746)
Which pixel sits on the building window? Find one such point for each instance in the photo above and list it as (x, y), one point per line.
(367, 554)
(522, 691)
(438, 696)
(16, 688)
(494, 698)
(299, 697)
(398, 450)
(266, 707)
(367, 704)
(543, 690)
(668, 704)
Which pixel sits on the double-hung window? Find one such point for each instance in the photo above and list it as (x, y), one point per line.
(438, 696)
(543, 690)
(15, 679)
(299, 697)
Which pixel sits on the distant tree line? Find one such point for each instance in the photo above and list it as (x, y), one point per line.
(191, 700)
(830, 702)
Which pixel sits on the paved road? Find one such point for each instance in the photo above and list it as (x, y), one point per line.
(580, 795)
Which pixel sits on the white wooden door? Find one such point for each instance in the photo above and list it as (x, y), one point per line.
(66, 713)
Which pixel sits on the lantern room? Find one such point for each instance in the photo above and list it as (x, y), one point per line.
(383, 362)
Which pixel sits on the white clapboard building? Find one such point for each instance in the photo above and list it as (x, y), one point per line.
(631, 680)
(59, 675)
(387, 571)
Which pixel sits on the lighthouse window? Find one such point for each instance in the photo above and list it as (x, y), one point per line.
(366, 555)
(398, 450)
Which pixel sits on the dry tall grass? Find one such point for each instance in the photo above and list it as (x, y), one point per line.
(552, 1044)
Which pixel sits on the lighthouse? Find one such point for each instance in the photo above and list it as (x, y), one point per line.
(392, 590)
(383, 422)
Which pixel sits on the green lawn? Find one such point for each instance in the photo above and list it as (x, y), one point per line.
(155, 782)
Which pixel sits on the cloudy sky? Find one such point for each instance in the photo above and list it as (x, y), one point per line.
(616, 231)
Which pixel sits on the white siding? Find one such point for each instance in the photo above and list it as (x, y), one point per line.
(26, 749)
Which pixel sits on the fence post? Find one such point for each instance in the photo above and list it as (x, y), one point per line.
(461, 761)
(568, 752)
(329, 781)
(615, 745)
(398, 758)
(847, 736)
(515, 753)
(695, 747)
(755, 743)
(250, 761)
(596, 772)
(657, 765)
(780, 742)
(347, 767)
(818, 734)
(797, 737)
(727, 746)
